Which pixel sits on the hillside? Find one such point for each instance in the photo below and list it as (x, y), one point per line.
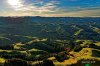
(36, 41)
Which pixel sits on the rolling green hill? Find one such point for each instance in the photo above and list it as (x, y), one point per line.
(39, 40)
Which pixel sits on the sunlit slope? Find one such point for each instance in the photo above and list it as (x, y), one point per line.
(91, 54)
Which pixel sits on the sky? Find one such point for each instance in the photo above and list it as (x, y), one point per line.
(50, 8)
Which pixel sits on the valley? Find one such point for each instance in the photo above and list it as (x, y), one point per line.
(56, 41)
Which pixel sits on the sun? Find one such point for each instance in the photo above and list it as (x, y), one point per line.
(16, 4)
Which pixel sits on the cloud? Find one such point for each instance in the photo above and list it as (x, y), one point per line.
(83, 13)
(51, 8)
(38, 7)
(35, 7)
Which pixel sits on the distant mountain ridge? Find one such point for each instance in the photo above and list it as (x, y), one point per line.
(52, 27)
(50, 19)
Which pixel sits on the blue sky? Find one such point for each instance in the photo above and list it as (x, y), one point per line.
(68, 8)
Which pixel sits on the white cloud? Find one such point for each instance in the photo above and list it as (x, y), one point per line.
(84, 13)
(47, 7)
(41, 8)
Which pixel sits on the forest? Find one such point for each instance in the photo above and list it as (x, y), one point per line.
(52, 41)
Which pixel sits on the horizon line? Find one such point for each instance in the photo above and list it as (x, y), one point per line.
(52, 16)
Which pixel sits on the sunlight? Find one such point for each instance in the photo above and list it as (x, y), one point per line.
(15, 3)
